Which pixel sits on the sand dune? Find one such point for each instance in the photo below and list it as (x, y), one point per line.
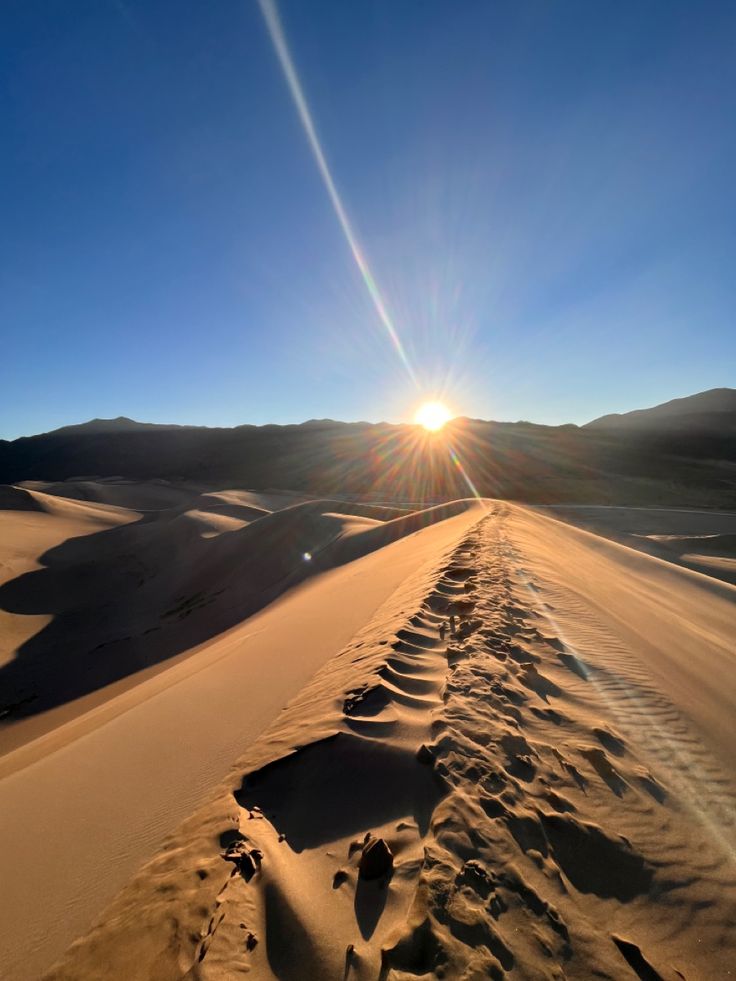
(265, 500)
(17, 499)
(548, 791)
(85, 803)
(122, 596)
(31, 524)
(704, 541)
(136, 495)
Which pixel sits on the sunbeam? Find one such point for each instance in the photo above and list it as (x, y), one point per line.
(463, 473)
(276, 32)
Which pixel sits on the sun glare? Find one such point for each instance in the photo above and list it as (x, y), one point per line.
(432, 415)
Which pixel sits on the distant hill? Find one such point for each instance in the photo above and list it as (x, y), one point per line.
(682, 452)
(713, 411)
(118, 425)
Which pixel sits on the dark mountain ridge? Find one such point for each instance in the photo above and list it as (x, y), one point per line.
(712, 411)
(682, 452)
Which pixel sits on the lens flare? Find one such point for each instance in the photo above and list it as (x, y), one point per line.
(278, 39)
(432, 415)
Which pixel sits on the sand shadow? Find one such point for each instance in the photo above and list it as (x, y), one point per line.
(594, 862)
(341, 786)
(370, 902)
(133, 596)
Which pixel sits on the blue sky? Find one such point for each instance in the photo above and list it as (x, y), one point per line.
(543, 191)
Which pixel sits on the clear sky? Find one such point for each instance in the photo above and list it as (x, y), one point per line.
(543, 192)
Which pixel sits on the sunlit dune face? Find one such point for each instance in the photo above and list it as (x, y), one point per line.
(432, 415)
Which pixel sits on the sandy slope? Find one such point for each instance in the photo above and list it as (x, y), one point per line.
(704, 541)
(83, 805)
(678, 624)
(31, 523)
(555, 781)
(123, 601)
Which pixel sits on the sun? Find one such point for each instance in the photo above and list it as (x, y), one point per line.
(432, 415)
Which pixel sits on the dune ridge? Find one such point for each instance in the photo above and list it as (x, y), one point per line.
(86, 803)
(551, 806)
(129, 590)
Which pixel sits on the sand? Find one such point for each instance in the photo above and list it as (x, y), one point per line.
(704, 541)
(32, 523)
(82, 805)
(543, 788)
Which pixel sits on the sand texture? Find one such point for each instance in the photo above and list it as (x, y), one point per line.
(508, 751)
(90, 788)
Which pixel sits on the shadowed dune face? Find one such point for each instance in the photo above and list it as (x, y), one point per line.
(17, 499)
(33, 524)
(129, 597)
(149, 495)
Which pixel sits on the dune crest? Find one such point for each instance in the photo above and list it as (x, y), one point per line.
(125, 591)
(132, 764)
(535, 802)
